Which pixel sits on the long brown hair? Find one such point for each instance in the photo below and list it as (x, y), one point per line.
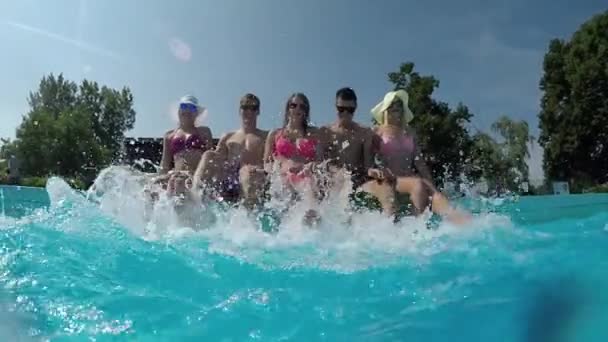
(304, 99)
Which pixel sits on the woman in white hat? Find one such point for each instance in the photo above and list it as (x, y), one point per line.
(184, 146)
(401, 168)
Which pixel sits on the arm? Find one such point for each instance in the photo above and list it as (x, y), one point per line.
(324, 142)
(377, 169)
(197, 178)
(221, 149)
(222, 145)
(319, 134)
(167, 156)
(268, 150)
(419, 163)
(206, 136)
(368, 150)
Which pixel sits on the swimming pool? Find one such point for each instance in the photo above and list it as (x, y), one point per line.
(73, 269)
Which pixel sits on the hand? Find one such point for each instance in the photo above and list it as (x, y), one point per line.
(381, 174)
(258, 170)
(376, 174)
(296, 169)
(307, 170)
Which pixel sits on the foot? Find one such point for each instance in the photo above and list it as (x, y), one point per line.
(311, 218)
(459, 218)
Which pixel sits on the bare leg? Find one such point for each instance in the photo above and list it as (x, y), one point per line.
(420, 193)
(423, 194)
(442, 207)
(308, 190)
(252, 181)
(384, 192)
(179, 184)
(210, 173)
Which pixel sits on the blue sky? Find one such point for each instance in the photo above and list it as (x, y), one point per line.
(486, 54)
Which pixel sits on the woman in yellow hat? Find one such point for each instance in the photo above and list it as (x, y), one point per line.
(401, 168)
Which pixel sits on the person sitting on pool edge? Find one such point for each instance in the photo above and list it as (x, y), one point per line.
(296, 148)
(401, 168)
(235, 169)
(183, 148)
(348, 145)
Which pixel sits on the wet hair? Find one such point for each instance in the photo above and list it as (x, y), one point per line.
(347, 94)
(304, 99)
(248, 98)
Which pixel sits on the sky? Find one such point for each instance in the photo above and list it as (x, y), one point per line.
(486, 54)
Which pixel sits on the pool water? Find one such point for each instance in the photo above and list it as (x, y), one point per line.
(74, 268)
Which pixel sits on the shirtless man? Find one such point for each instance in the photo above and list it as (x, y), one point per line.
(348, 144)
(235, 169)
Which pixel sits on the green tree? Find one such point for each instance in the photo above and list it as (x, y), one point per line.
(573, 120)
(502, 161)
(515, 138)
(442, 134)
(72, 130)
(486, 160)
(7, 149)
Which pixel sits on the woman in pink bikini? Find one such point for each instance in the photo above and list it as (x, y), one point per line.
(296, 148)
(183, 147)
(402, 168)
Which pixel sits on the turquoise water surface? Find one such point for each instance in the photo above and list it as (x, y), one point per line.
(78, 269)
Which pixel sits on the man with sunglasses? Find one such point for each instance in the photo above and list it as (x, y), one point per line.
(348, 144)
(235, 169)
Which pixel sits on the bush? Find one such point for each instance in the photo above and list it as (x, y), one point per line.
(77, 183)
(38, 182)
(602, 188)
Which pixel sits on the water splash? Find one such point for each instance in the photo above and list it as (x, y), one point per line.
(343, 241)
(102, 265)
(3, 212)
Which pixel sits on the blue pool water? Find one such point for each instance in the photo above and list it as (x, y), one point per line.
(77, 269)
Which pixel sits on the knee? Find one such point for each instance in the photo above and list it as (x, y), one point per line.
(418, 186)
(210, 157)
(250, 175)
(429, 187)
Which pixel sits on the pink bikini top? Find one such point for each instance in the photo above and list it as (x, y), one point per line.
(401, 146)
(305, 147)
(191, 142)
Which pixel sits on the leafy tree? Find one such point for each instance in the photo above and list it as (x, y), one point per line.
(573, 120)
(516, 137)
(7, 149)
(502, 162)
(72, 130)
(442, 134)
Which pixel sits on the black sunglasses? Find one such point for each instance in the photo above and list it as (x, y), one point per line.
(342, 109)
(250, 107)
(296, 105)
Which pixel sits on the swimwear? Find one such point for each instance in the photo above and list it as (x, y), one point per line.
(230, 186)
(390, 146)
(181, 143)
(305, 148)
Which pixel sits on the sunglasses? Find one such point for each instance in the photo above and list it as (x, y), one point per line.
(250, 107)
(296, 105)
(188, 107)
(342, 109)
